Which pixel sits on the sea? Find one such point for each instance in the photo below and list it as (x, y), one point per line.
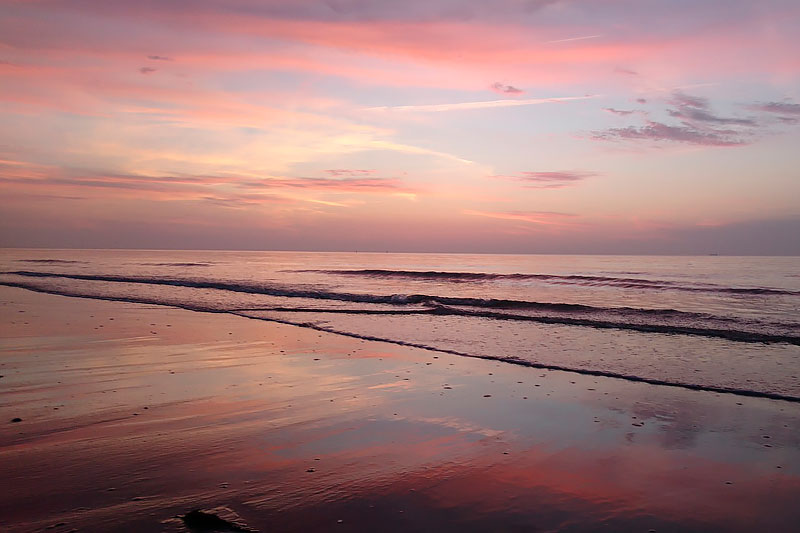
(723, 324)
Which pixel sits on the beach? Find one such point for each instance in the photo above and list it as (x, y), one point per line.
(380, 266)
(134, 415)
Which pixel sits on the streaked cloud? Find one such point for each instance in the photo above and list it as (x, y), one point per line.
(464, 106)
(571, 39)
(337, 172)
(264, 114)
(546, 218)
(347, 184)
(409, 149)
(626, 71)
(694, 109)
(223, 190)
(549, 180)
(620, 112)
(785, 112)
(783, 108)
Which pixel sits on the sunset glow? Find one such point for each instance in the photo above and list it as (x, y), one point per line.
(565, 126)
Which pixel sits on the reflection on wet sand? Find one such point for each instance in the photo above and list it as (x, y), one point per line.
(128, 423)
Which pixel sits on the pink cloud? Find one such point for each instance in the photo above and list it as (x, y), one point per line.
(340, 184)
(783, 108)
(20, 177)
(546, 218)
(506, 89)
(337, 172)
(698, 125)
(485, 104)
(626, 71)
(657, 131)
(620, 112)
(96, 90)
(549, 180)
(784, 112)
(694, 109)
(437, 51)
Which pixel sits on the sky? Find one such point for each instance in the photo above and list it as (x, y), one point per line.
(502, 126)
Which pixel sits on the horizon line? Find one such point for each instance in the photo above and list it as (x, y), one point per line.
(654, 254)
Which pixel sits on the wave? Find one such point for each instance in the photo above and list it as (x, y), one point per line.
(622, 282)
(510, 360)
(178, 264)
(547, 366)
(668, 329)
(51, 261)
(397, 299)
(664, 321)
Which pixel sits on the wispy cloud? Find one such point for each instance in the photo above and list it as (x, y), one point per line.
(438, 108)
(549, 180)
(695, 109)
(243, 201)
(785, 112)
(409, 149)
(547, 218)
(223, 190)
(147, 70)
(626, 71)
(349, 172)
(159, 58)
(348, 184)
(784, 108)
(505, 89)
(570, 39)
(620, 112)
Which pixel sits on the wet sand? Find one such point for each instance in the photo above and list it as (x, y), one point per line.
(132, 415)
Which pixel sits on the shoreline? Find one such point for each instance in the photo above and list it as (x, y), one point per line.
(532, 364)
(177, 410)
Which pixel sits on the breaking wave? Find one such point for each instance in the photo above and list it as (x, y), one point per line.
(663, 321)
(623, 282)
(709, 387)
(51, 261)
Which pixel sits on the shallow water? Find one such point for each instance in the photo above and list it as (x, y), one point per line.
(719, 323)
(133, 415)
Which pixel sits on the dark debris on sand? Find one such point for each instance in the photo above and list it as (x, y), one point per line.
(210, 521)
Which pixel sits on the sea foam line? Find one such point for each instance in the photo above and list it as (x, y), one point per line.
(638, 283)
(484, 308)
(510, 360)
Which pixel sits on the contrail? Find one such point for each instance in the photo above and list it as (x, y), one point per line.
(436, 108)
(573, 39)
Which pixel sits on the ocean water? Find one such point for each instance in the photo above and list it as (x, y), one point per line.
(724, 324)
